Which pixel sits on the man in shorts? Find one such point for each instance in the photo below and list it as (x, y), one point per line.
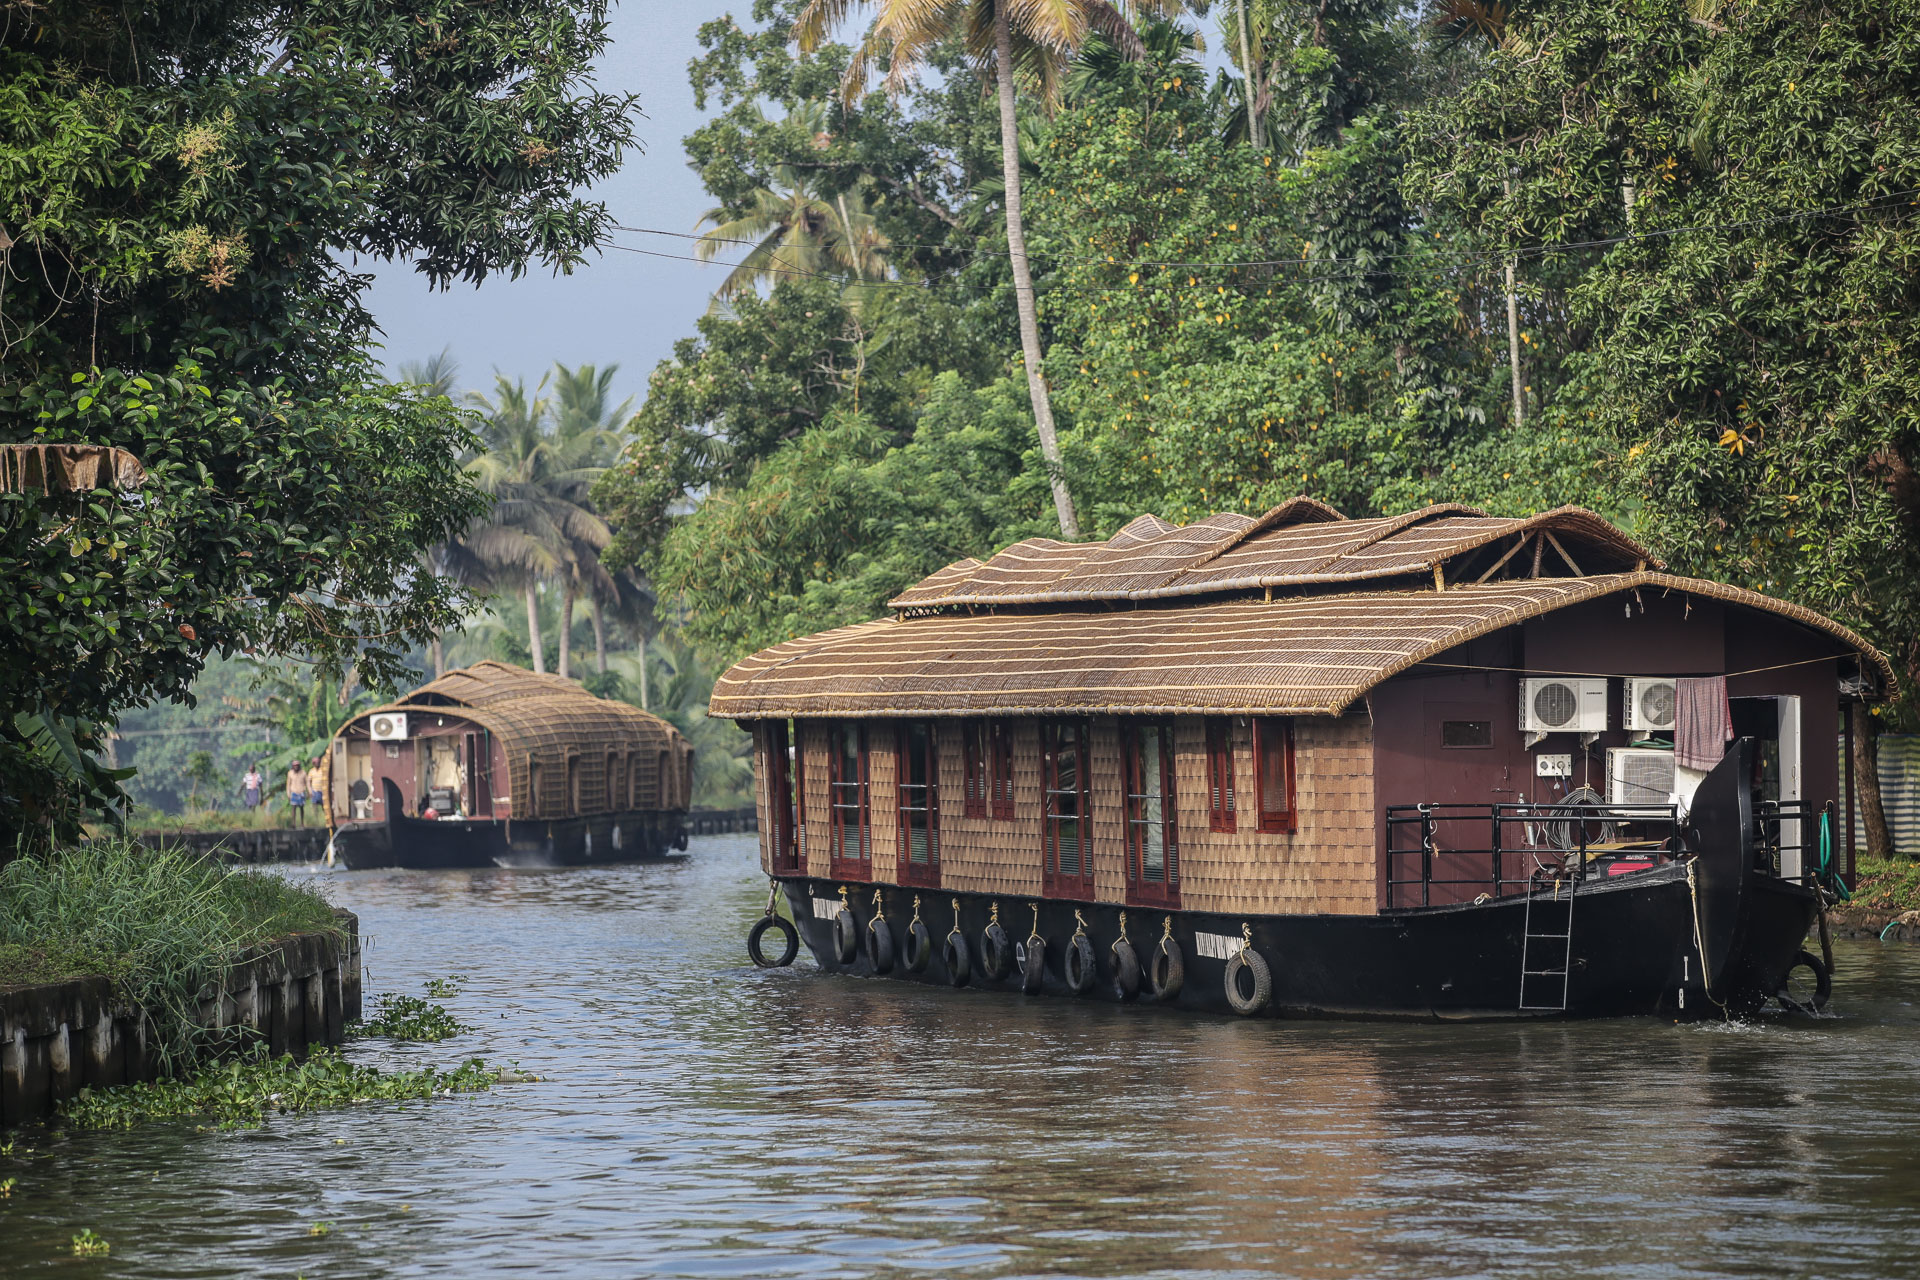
(250, 787)
(297, 792)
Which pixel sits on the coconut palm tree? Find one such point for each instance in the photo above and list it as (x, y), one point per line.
(1034, 42)
(543, 525)
(792, 227)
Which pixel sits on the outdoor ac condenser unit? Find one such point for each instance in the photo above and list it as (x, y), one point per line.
(390, 726)
(1639, 775)
(1650, 703)
(1560, 705)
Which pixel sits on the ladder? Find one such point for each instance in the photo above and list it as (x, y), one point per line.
(1546, 950)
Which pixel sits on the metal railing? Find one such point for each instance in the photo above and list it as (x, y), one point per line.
(1446, 853)
(1783, 827)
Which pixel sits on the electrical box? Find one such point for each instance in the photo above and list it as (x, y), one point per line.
(1553, 766)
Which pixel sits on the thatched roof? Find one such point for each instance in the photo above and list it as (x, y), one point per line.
(1301, 543)
(68, 468)
(529, 711)
(1305, 654)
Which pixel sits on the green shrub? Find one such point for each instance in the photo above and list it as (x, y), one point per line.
(159, 923)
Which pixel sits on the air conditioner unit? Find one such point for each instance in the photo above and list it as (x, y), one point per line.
(389, 726)
(1639, 775)
(1650, 702)
(1559, 705)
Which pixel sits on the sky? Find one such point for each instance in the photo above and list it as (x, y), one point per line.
(620, 307)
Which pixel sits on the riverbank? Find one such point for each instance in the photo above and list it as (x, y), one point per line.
(1885, 902)
(121, 964)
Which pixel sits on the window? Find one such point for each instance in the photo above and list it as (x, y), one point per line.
(989, 769)
(918, 785)
(1220, 797)
(1000, 769)
(852, 850)
(1273, 773)
(1466, 733)
(612, 777)
(973, 750)
(636, 785)
(1069, 838)
(660, 781)
(1153, 845)
(786, 801)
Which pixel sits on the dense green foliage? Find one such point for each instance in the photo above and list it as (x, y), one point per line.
(159, 923)
(1758, 372)
(183, 191)
(403, 1017)
(1705, 209)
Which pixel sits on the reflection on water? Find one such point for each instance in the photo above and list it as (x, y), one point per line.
(700, 1117)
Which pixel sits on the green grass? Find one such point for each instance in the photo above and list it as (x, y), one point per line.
(159, 924)
(245, 1091)
(1887, 884)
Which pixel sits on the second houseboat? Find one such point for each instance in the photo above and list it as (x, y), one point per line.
(1441, 764)
(494, 765)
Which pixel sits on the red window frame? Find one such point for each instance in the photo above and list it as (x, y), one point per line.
(786, 803)
(1000, 769)
(1146, 885)
(1273, 774)
(1066, 761)
(917, 803)
(973, 744)
(988, 749)
(849, 801)
(1222, 806)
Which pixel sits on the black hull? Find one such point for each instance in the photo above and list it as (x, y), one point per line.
(1633, 949)
(424, 843)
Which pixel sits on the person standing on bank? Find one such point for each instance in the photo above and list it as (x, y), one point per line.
(250, 787)
(315, 780)
(297, 792)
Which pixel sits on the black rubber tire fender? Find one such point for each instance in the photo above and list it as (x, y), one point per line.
(1166, 970)
(919, 947)
(1033, 974)
(789, 942)
(996, 953)
(846, 936)
(1247, 1003)
(1126, 971)
(880, 945)
(1079, 965)
(1822, 985)
(953, 954)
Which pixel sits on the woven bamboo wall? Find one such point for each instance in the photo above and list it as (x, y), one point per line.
(1109, 812)
(883, 802)
(1327, 865)
(982, 855)
(814, 778)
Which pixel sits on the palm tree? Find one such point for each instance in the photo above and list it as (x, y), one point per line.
(1035, 41)
(793, 227)
(435, 374)
(543, 524)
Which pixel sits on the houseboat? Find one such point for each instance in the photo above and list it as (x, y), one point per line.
(1439, 765)
(492, 765)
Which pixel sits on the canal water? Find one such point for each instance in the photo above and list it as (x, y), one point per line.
(698, 1117)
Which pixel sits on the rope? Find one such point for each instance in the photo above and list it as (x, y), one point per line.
(1079, 924)
(1246, 939)
(879, 912)
(1699, 939)
(1036, 924)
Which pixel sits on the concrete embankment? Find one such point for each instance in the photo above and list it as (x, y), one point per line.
(61, 1037)
(309, 844)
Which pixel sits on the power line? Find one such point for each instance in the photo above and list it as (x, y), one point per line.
(1366, 265)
